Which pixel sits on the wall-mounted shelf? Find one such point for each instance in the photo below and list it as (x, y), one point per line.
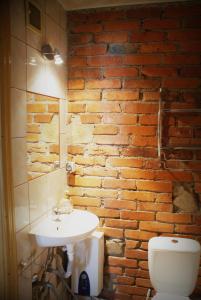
(161, 111)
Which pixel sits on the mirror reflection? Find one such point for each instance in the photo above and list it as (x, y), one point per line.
(42, 134)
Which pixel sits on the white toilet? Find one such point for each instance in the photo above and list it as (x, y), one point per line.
(173, 267)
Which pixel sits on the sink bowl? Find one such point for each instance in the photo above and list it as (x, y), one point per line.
(65, 229)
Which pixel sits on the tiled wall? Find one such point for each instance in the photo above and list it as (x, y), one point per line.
(118, 60)
(34, 198)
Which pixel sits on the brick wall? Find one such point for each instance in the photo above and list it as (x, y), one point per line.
(118, 60)
(42, 134)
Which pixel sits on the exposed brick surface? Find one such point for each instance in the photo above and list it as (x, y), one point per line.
(118, 60)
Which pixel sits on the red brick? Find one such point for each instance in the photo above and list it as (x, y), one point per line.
(173, 217)
(137, 174)
(148, 120)
(137, 215)
(192, 22)
(143, 282)
(75, 149)
(119, 119)
(77, 61)
(147, 206)
(111, 37)
(184, 35)
(121, 223)
(156, 226)
(142, 59)
(112, 232)
(141, 108)
(166, 198)
(103, 107)
(90, 118)
(111, 140)
(177, 83)
(113, 270)
(84, 95)
(136, 195)
(120, 72)
(85, 181)
(103, 150)
(84, 73)
(77, 39)
(103, 60)
(156, 186)
(150, 96)
(105, 15)
(104, 212)
(188, 229)
(121, 25)
(143, 265)
(158, 72)
(141, 83)
(100, 171)
(87, 28)
(174, 175)
(161, 23)
(103, 84)
(123, 95)
(91, 50)
(130, 244)
(75, 84)
(147, 36)
(194, 71)
(122, 262)
(139, 235)
(190, 46)
(119, 183)
(138, 130)
(138, 254)
(120, 204)
(182, 59)
(158, 47)
(132, 290)
(125, 280)
(125, 162)
(105, 129)
(85, 201)
(140, 141)
(76, 108)
(89, 160)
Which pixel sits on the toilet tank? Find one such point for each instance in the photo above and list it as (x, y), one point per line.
(173, 264)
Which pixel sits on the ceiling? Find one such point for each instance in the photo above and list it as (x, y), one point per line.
(84, 4)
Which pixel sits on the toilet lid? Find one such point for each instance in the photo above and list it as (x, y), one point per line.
(165, 296)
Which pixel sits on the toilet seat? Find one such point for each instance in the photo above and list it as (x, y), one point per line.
(165, 296)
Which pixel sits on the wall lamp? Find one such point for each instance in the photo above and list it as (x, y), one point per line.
(50, 54)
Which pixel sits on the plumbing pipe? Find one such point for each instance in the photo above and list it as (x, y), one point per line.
(70, 254)
(148, 294)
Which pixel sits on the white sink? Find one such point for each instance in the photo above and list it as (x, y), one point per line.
(65, 229)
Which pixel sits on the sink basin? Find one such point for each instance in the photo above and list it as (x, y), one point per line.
(65, 229)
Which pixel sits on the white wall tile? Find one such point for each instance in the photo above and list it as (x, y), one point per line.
(25, 285)
(53, 10)
(52, 32)
(17, 13)
(18, 113)
(36, 76)
(21, 206)
(62, 114)
(57, 185)
(24, 247)
(38, 191)
(19, 161)
(18, 64)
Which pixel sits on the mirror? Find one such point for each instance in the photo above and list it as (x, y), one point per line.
(42, 134)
